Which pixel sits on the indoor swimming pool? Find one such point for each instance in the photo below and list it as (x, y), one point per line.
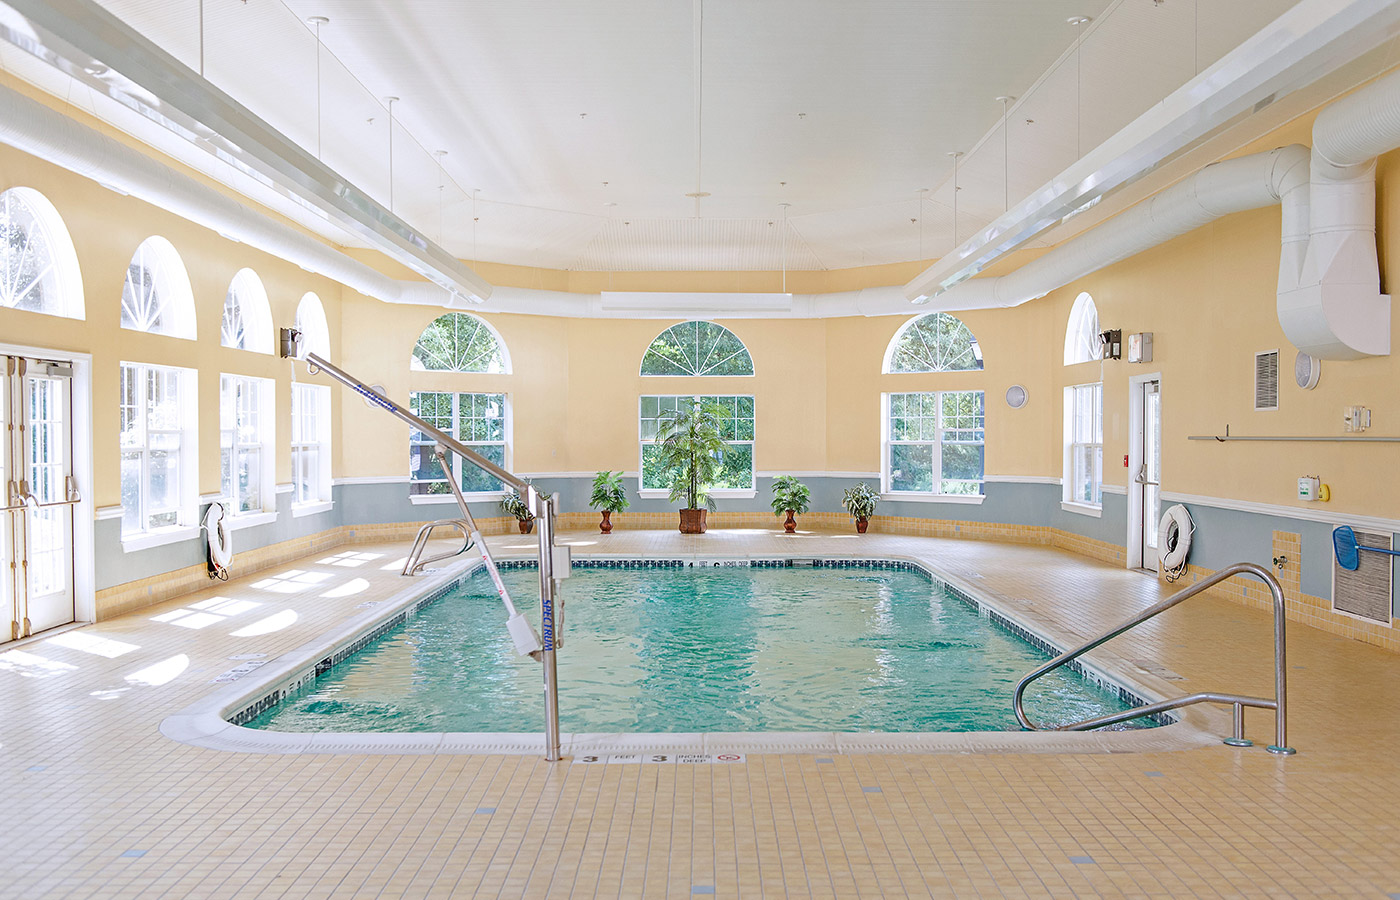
(660, 647)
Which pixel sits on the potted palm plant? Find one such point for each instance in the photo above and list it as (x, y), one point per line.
(792, 497)
(609, 496)
(512, 504)
(689, 456)
(860, 502)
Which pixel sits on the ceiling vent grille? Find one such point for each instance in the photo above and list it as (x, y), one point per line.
(1366, 592)
(1266, 380)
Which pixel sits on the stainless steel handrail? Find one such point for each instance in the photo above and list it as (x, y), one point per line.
(541, 504)
(415, 560)
(1279, 703)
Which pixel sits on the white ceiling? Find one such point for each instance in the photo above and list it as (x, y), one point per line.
(853, 104)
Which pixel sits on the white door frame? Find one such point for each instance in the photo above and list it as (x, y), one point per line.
(1135, 428)
(84, 546)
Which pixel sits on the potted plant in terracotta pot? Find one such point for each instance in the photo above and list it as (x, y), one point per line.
(792, 497)
(860, 503)
(512, 504)
(609, 496)
(690, 452)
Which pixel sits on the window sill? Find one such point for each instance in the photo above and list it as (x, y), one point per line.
(1082, 509)
(248, 520)
(145, 540)
(474, 497)
(910, 497)
(313, 508)
(725, 494)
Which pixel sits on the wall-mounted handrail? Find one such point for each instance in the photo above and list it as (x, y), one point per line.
(543, 506)
(1279, 703)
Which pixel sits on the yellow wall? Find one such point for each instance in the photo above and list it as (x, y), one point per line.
(1208, 297)
(106, 229)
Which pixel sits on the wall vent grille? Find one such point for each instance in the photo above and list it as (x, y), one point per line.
(1266, 380)
(1366, 592)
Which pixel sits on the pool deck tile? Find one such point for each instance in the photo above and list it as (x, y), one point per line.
(1206, 822)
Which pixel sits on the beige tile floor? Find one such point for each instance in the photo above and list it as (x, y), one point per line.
(99, 804)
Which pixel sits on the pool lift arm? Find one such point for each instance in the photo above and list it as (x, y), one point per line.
(541, 505)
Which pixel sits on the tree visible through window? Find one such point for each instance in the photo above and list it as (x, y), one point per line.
(477, 420)
(459, 342)
(697, 348)
(736, 427)
(936, 442)
(936, 342)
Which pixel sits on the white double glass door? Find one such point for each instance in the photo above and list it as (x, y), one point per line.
(36, 469)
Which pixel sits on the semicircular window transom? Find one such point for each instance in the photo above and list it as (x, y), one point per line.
(156, 294)
(936, 342)
(459, 342)
(247, 320)
(37, 260)
(1082, 332)
(697, 348)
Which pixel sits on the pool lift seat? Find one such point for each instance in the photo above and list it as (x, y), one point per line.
(554, 562)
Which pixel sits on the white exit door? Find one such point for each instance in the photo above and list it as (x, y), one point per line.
(1148, 479)
(36, 465)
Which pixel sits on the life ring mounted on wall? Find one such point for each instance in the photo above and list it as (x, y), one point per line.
(1174, 540)
(220, 542)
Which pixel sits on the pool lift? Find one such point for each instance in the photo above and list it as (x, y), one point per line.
(541, 647)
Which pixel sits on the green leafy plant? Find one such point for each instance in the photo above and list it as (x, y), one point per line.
(860, 500)
(790, 494)
(609, 494)
(690, 453)
(512, 504)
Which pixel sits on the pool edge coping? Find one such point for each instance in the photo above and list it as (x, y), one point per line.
(206, 722)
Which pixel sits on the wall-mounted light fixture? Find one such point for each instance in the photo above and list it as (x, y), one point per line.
(1111, 344)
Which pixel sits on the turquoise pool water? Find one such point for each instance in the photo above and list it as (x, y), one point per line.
(687, 649)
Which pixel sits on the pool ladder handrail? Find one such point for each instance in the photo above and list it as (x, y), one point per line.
(415, 562)
(1279, 703)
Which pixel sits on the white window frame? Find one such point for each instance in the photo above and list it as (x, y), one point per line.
(311, 440)
(718, 493)
(262, 390)
(455, 461)
(1082, 332)
(1073, 448)
(186, 509)
(887, 491)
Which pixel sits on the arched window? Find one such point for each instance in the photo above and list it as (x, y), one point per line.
(247, 323)
(156, 296)
(460, 342)
(38, 265)
(311, 322)
(697, 348)
(935, 342)
(1082, 335)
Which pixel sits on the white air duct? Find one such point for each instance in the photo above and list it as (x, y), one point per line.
(51, 136)
(1329, 302)
(1234, 185)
